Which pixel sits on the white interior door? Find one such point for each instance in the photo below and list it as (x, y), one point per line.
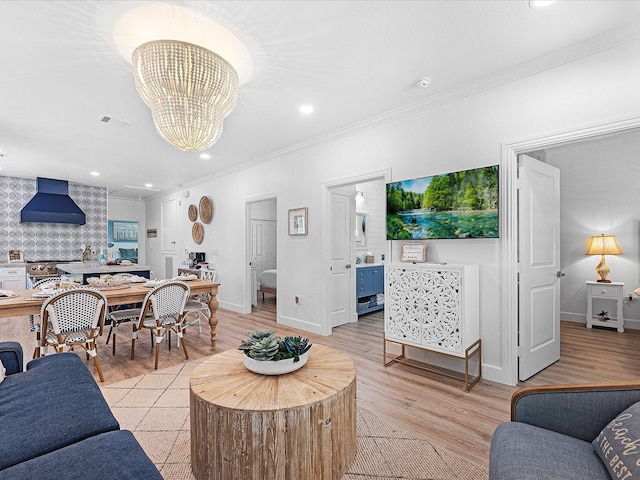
(270, 245)
(168, 226)
(263, 245)
(539, 258)
(341, 280)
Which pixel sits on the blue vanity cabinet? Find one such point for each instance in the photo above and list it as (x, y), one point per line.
(369, 283)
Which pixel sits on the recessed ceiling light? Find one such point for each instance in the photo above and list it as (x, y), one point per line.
(95, 174)
(540, 3)
(205, 156)
(148, 185)
(306, 109)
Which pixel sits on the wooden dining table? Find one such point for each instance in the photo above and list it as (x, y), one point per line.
(25, 304)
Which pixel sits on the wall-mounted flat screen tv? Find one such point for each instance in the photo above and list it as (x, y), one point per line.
(454, 205)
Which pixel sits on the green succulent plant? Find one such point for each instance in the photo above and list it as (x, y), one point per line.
(296, 346)
(264, 349)
(265, 346)
(253, 337)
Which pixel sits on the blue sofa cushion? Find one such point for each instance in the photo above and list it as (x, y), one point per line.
(524, 452)
(11, 357)
(618, 444)
(108, 456)
(55, 403)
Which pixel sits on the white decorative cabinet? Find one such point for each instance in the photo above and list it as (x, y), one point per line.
(434, 307)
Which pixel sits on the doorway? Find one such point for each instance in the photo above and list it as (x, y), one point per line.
(262, 251)
(510, 242)
(539, 259)
(340, 279)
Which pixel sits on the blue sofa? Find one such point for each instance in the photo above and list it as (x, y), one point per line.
(55, 423)
(552, 431)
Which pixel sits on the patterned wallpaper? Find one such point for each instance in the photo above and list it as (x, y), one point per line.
(50, 241)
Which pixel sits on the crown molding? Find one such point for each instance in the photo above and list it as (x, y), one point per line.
(558, 58)
(526, 69)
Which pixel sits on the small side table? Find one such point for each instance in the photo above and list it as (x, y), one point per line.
(609, 293)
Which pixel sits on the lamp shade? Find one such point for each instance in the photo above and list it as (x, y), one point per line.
(603, 245)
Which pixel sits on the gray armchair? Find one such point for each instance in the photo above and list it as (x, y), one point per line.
(551, 430)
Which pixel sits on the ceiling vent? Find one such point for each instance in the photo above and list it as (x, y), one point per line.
(130, 191)
(115, 122)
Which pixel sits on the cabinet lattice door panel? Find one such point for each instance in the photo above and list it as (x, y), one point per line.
(432, 306)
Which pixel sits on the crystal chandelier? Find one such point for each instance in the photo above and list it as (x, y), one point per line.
(189, 89)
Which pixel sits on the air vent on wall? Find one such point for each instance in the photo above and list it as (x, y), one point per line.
(114, 121)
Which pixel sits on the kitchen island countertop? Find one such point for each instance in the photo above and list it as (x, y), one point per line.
(92, 268)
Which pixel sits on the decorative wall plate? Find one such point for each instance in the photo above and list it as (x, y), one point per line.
(193, 213)
(197, 232)
(205, 209)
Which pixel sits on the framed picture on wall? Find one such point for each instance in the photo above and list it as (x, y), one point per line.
(298, 221)
(122, 231)
(15, 256)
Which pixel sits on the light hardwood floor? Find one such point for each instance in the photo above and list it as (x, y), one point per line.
(430, 404)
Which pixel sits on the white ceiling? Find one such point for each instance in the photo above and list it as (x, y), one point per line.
(355, 61)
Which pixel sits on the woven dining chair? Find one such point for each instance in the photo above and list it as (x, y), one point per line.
(163, 311)
(74, 318)
(116, 318)
(118, 315)
(34, 325)
(199, 306)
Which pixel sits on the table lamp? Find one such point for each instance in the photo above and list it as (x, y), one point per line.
(603, 245)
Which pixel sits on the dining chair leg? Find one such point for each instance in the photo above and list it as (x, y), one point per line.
(92, 351)
(98, 368)
(157, 355)
(36, 351)
(184, 345)
(159, 334)
(113, 331)
(134, 335)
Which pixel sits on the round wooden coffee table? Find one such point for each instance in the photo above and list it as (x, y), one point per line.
(301, 425)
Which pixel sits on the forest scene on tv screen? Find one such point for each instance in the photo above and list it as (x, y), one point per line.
(454, 205)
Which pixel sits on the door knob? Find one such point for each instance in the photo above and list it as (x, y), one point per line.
(347, 266)
(560, 274)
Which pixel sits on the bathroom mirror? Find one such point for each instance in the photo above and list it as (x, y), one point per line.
(361, 229)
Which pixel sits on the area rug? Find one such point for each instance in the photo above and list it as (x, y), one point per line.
(155, 407)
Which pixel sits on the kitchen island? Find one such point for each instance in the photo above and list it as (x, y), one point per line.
(92, 269)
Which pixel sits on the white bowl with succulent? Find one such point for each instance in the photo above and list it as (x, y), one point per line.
(268, 354)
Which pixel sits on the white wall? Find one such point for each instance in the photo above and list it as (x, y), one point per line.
(458, 135)
(131, 210)
(599, 194)
(373, 203)
(264, 210)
